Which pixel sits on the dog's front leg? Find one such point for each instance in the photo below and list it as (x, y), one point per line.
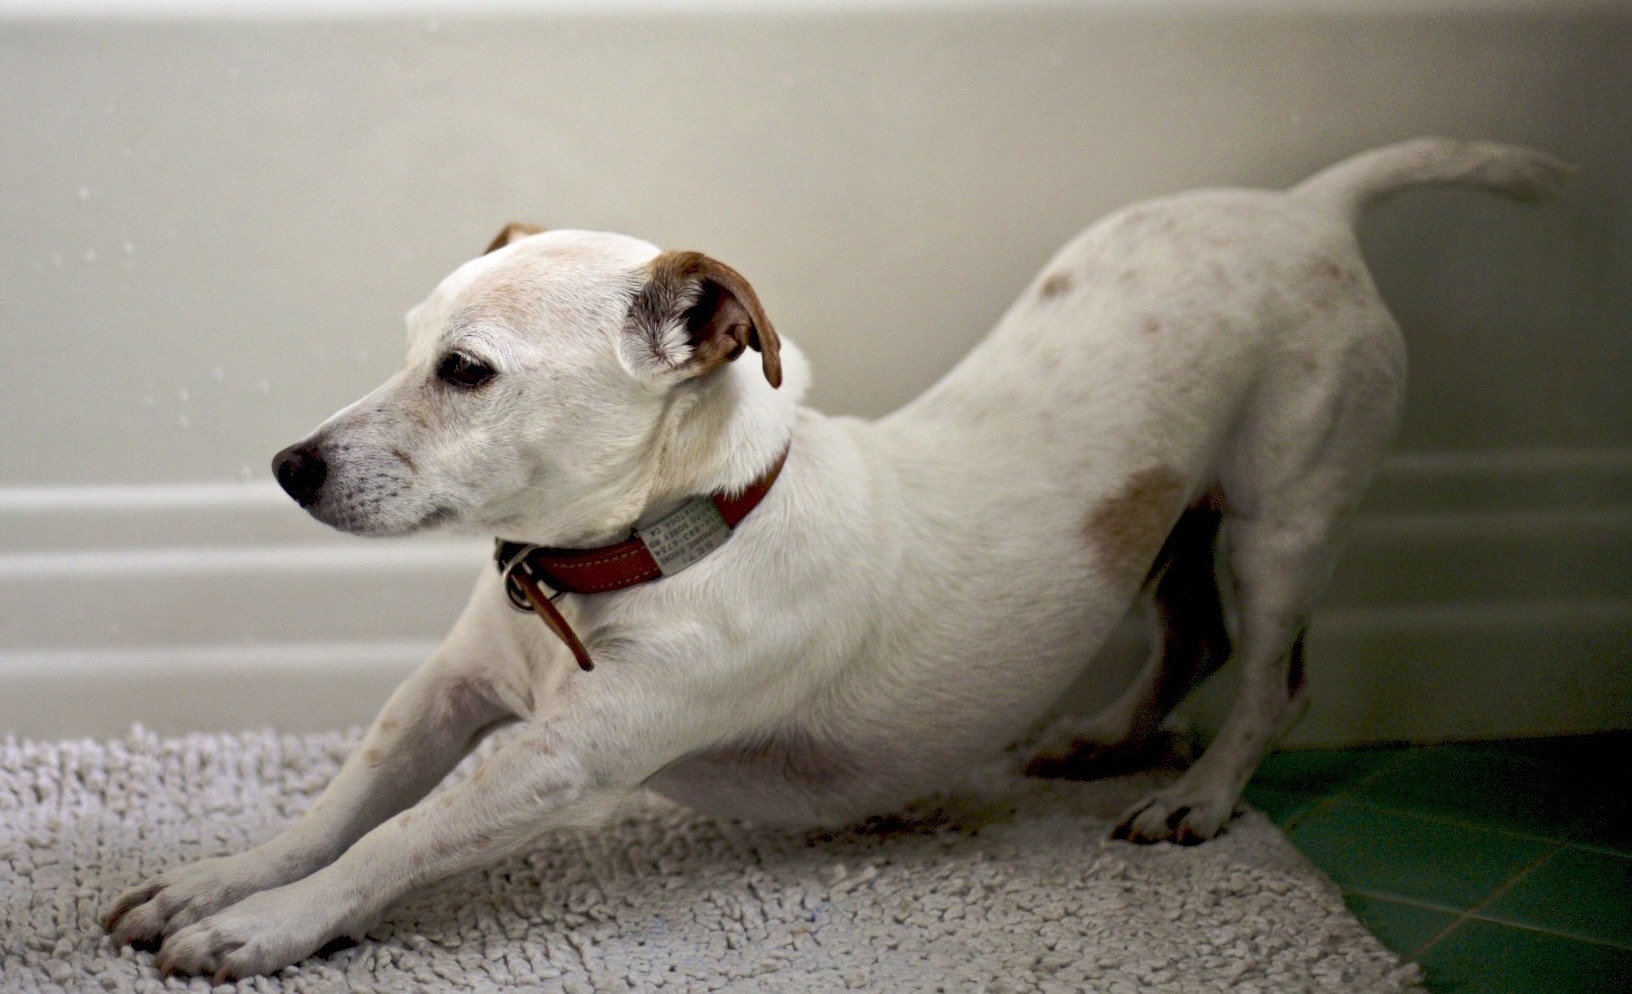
(535, 782)
(429, 724)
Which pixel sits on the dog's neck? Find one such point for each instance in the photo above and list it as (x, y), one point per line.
(721, 434)
(717, 434)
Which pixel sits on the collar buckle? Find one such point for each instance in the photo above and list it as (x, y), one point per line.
(512, 556)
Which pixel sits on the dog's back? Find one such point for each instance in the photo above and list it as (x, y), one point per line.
(1157, 343)
(1223, 345)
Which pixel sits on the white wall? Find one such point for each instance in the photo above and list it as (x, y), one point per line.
(212, 226)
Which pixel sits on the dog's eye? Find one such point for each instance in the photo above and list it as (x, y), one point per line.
(463, 371)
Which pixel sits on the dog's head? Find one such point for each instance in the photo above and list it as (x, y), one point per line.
(550, 385)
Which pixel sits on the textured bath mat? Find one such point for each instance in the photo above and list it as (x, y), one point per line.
(1005, 888)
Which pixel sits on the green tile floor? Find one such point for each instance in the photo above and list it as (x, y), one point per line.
(1497, 867)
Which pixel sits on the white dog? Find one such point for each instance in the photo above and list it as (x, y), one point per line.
(1190, 398)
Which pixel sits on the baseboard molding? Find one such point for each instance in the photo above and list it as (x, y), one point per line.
(1459, 672)
(294, 687)
(1482, 595)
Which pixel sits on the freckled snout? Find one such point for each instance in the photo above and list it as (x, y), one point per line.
(300, 471)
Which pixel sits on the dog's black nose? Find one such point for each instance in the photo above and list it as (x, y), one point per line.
(300, 473)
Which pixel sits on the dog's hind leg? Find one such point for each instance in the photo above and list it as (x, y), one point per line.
(1189, 642)
(1287, 499)
(1277, 564)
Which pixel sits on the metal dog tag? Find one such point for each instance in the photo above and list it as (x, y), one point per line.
(686, 536)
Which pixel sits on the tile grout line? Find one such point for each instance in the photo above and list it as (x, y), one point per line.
(1325, 801)
(1472, 912)
(1447, 820)
(1552, 845)
(1566, 842)
(1587, 940)
(1462, 917)
(1413, 902)
(1351, 791)
(1599, 849)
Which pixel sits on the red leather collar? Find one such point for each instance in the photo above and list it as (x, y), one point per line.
(662, 549)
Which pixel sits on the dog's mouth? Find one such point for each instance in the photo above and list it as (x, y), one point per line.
(359, 500)
(366, 519)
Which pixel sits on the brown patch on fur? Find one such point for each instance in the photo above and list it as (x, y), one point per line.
(1332, 282)
(1328, 268)
(1126, 531)
(722, 315)
(388, 724)
(373, 757)
(403, 456)
(1151, 326)
(509, 297)
(512, 232)
(1055, 284)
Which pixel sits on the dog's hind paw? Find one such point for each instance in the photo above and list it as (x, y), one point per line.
(1186, 818)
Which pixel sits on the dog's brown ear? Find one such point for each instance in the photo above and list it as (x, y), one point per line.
(695, 314)
(513, 231)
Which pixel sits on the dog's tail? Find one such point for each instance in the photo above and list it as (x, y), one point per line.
(1357, 183)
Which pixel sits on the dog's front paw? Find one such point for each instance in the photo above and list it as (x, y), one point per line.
(261, 934)
(181, 896)
(1187, 817)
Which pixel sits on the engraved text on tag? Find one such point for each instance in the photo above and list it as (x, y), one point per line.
(686, 536)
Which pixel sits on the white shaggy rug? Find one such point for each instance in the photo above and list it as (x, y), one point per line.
(1005, 888)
